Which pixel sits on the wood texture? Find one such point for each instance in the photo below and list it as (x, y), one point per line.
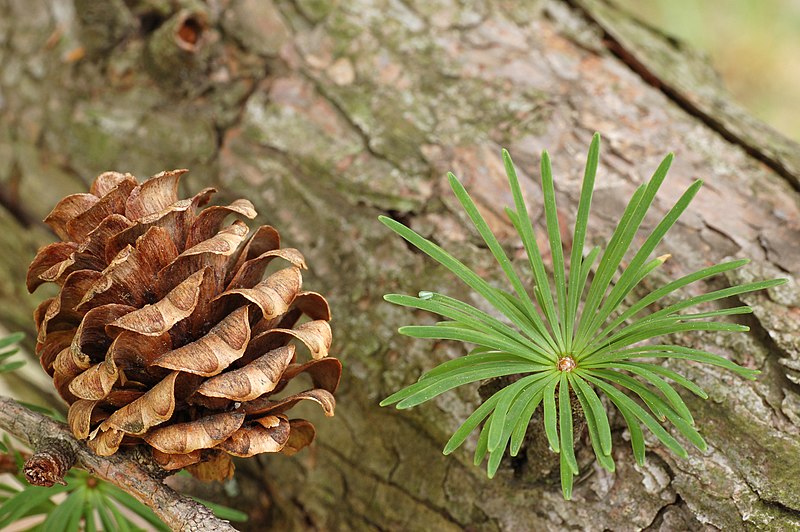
(326, 114)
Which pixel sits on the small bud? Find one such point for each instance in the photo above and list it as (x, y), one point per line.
(566, 364)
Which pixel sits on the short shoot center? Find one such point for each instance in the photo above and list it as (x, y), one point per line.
(566, 363)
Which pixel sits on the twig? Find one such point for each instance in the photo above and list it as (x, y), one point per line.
(50, 463)
(130, 473)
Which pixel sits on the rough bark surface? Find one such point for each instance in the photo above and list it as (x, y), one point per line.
(326, 114)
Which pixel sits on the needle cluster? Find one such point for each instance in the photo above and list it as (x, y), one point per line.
(576, 332)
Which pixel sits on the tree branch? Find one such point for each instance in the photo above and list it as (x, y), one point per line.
(52, 442)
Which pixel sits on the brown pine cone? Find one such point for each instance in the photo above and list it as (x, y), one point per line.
(166, 332)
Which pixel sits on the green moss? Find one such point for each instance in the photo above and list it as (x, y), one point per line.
(316, 10)
(342, 29)
(764, 458)
(93, 143)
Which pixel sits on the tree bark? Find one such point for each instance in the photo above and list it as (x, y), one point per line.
(326, 114)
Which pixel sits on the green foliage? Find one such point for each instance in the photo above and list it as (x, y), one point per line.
(7, 350)
(90, 504)
(575, 333)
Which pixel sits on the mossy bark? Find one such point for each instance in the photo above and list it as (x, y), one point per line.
(326, 114)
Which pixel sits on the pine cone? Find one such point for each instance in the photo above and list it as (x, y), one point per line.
(165, 332)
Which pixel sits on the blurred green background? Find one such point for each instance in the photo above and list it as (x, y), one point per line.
(753, 44)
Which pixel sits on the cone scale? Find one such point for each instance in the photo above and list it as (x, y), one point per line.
(168, 331)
